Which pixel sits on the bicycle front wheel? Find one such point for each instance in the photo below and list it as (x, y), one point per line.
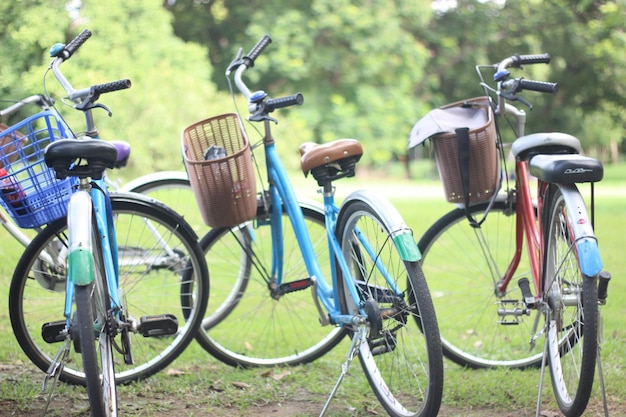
(83, 328)
(159, 256)
(572, 310)
(255, 328)
(480, 328)
(401, 356)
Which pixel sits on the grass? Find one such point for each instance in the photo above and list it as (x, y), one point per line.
(207, 386)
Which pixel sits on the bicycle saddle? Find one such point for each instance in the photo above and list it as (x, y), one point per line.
(566, 169)
(527, 146)
(330, 161)
(81, 158)
(123, 152)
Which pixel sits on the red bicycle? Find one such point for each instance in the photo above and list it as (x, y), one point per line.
(514, 274)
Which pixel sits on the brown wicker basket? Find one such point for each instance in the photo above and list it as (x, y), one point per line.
(7, 144)
(484, 167)
(225, 187)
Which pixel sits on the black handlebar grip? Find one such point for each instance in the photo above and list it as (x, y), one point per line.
(534, 59)
(75, 43)
(540, 86)
(257, 50)
(277, 103)
(111, 86)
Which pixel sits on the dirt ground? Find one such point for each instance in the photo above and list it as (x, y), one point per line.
(181, 406)
(189, 403)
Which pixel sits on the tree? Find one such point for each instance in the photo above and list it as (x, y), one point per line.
(587, 44)
(355, 62)
(171, 79)
(26, 29)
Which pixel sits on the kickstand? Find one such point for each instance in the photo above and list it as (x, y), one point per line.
(54, 372)
(543, 371)
(357, 339)
(606, 407)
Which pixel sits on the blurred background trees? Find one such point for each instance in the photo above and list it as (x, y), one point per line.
(367, 69)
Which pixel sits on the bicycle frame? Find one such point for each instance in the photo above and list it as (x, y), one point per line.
(528, 224)
(96, 203)
(281, 190)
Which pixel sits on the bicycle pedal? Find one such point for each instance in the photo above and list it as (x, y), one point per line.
(54, 331)
(161, 325)
(511, 312)
(383, 344)
(287, 287)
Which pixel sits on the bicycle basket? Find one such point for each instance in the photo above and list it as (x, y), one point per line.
(484, 166)
(31, 194)
(218, 160)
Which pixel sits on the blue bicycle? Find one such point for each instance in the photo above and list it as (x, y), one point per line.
(124, 274)
(354, 269)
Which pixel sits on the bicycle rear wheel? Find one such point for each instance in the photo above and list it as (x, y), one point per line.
(174, 190)
(402, 356)
(462, 264)
(256, 329)
(158, 255)
(571, 299)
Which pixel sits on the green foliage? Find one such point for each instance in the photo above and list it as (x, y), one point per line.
(587, 44)
(355, 62)
(171, 79)
(368, 70)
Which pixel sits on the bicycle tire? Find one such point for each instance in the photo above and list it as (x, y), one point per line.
(402, 357)
(102, 313)
(150, 285)
(84, 321)
(174, 190)
(570, 316)
(259, 330)
(462, 283)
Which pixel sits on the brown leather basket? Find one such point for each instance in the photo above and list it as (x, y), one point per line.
(484, 166)
(224, 187)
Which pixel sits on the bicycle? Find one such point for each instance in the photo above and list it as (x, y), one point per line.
(377, 293)
(112, 255)
(169, 187)
(485, 319)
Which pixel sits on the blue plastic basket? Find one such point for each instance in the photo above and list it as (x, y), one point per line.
(31, 194)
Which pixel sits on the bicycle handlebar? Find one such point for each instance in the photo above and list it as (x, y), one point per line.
(75, 43)
(37, 99)
(508, 88)
(539, 86)
(260, 103)
(85, 97)
(257, 50)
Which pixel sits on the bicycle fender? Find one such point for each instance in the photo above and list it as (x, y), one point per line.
(80, 251)
(401, 234)
(586, 242)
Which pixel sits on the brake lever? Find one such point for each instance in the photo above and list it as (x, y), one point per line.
(260, 116)
(510, 95)
(89, 105)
